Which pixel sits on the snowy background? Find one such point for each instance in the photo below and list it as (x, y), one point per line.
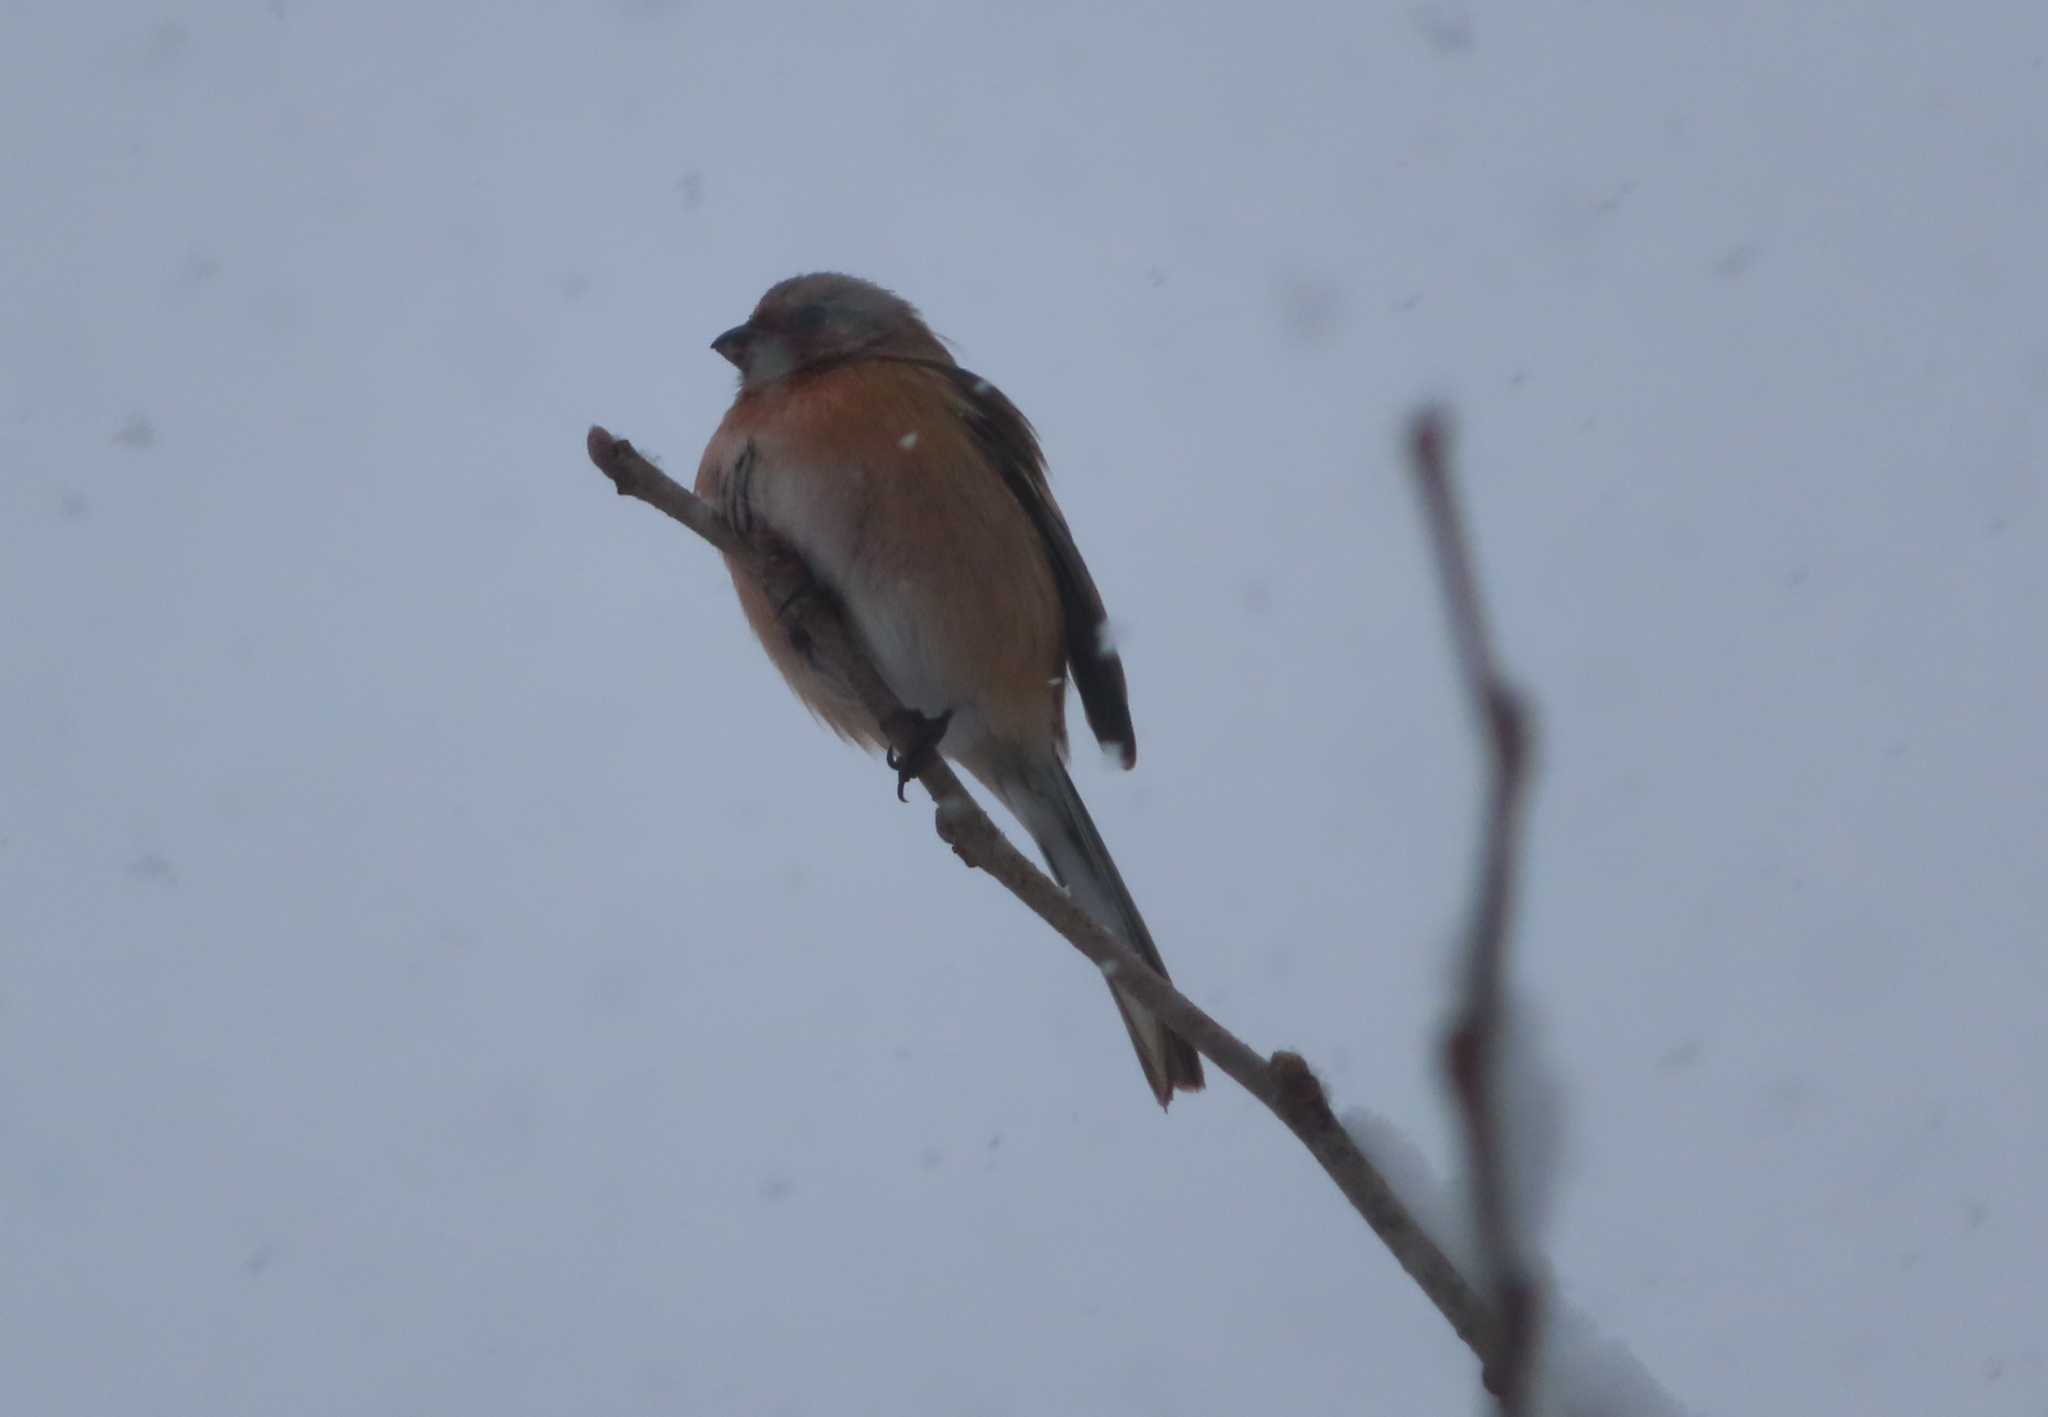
(441, 969)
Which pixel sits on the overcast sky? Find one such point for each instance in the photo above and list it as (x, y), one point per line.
(442, 970)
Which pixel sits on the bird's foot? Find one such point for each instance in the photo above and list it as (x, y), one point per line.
(919, 736)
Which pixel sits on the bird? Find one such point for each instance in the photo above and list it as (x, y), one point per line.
(915, 493)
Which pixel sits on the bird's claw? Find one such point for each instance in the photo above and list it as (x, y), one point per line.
(920, 735)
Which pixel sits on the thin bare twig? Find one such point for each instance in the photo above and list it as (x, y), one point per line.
(1473, 1047)
(1282, 1082)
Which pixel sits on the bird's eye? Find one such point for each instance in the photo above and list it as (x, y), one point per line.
(809, 318)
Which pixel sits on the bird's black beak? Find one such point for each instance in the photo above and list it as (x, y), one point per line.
(732, 345)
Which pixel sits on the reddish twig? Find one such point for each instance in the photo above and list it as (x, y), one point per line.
(1474, 1045)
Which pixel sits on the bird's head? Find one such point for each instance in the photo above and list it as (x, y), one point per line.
(810, 320)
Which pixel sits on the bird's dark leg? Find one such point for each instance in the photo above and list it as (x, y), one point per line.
(791, 614)
(918, 736)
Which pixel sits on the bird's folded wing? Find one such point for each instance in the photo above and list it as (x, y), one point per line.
(1011, 445)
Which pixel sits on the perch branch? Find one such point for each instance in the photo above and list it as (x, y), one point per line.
(1473, 1046)
(1282, 1082)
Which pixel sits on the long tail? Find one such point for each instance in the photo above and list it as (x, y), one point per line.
(1044, 799)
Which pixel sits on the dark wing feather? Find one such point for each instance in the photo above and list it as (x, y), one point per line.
(1006, 436)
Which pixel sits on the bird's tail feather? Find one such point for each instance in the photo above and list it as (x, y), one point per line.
(1044, 799)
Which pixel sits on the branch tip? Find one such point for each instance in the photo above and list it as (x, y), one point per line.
(1429, 436)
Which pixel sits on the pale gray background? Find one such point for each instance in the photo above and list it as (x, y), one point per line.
(442, 971)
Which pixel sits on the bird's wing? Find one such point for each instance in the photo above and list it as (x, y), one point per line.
(1006, 437)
